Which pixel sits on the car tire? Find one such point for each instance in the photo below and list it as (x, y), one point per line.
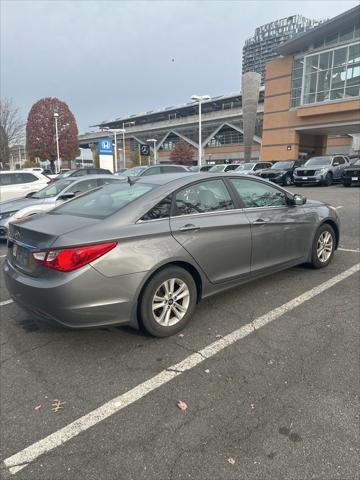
(347, 184)
(328, 180)
(287, 181)
(325, 235)
(163, 320)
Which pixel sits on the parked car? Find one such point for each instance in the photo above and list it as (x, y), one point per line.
(47, 198)
(226, 167)
(280, 172)
(120, 171)
(18, 183)
(203, 168)
(80, 172)
(144, 253)
(249, 168)
(351, 174)
(154, 170)
(321, 170)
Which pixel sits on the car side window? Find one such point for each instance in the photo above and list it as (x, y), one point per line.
(341, 160)
(231, 167)
(84, 186)
(203, 197)
(151, 171)
(25, 178)
(171, 168)
(255, 194)
(80, 173)
(161, 210)
(6, 179)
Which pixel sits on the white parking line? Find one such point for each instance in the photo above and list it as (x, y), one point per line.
(20, 460)
(349, 250)
(2, 256)
(6, 302)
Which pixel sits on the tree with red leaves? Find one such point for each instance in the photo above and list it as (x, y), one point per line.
(182, 154)
(41, 134)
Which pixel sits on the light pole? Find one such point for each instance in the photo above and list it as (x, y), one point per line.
(153, 140)
(200, 99)
(130, 124)
(56, 116)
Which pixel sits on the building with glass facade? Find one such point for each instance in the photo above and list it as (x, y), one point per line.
(262, 47)
(312, 92)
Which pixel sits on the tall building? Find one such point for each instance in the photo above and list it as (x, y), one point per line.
(262, 47)
(312, 92)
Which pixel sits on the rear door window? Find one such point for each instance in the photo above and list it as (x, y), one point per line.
(151, 171)
(25, 178)
(203, 197)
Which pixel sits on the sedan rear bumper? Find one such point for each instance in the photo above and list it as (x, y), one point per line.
(79, 299)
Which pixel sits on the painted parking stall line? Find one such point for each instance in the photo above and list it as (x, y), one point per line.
(6, 302)
(20, 460)
(350, 250)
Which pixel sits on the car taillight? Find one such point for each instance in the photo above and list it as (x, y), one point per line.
(69, 259)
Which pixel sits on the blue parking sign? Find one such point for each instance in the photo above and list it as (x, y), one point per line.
(105, 146)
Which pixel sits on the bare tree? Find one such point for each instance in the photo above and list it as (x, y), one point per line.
(11, 128)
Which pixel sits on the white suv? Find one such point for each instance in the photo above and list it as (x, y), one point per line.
(18, 183)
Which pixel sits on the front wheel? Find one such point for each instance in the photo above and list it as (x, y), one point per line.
(323, 247)
(287, 181)
(168, 301)
(347, 184)
(328, 180)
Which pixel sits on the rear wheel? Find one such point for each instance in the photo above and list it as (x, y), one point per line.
(168, 302)
(323, 246)
(328, 180)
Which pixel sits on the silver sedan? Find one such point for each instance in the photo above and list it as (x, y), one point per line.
(145, 252)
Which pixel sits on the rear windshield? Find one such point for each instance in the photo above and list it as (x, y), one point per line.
(283, 165)
(53, 189)
(318, 161)
(104, 202)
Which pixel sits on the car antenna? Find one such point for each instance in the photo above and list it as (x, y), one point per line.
(132, 181)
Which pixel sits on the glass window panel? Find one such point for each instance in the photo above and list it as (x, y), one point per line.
(324, 60)
(296, 92)
(311, 64)
(297, 83)
(346, 34)
(357, 30)
(354, 53)
(340, 55)
(352, 91)
(337, 78)
(309, 98)
(353, 74)
(298, 63)
(256, 194)
(336, 94)
(331, 39)
(323, 80)
(203, 197)
(297, 73)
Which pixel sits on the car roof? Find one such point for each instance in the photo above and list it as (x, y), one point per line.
(88, 177)
(21, 171)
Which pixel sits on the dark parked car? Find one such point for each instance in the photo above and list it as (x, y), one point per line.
(351, 174)
(80, 172)
(153, 170)
(281, 172)
(144, 253)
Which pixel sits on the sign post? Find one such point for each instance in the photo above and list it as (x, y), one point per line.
(105, 147)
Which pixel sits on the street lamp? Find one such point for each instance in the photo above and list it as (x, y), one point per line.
(155, 152)
(200, 99)
(56, 116)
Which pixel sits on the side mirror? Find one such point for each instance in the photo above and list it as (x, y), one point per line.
(66, 196)
(30, 194)
(297, 200)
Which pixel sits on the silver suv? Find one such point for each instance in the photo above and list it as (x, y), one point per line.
(321, 170)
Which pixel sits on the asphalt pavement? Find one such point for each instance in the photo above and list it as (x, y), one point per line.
(280, 401)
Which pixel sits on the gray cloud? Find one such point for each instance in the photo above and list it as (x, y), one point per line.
(112, 58)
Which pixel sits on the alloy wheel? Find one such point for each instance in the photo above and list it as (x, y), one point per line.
(325, 245)
(170, 302)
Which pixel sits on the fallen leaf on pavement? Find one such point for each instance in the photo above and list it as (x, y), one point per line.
(57, 405)
(231, 461)
(182, 405)
(37, 407)
(180, 335)
(219, 336)
(207, 371)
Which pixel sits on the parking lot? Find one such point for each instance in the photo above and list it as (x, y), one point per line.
(269, 373)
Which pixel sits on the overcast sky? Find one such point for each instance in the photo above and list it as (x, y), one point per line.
(108, 59)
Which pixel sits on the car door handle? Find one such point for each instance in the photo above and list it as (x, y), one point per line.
(261, 221)
(188, 227)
